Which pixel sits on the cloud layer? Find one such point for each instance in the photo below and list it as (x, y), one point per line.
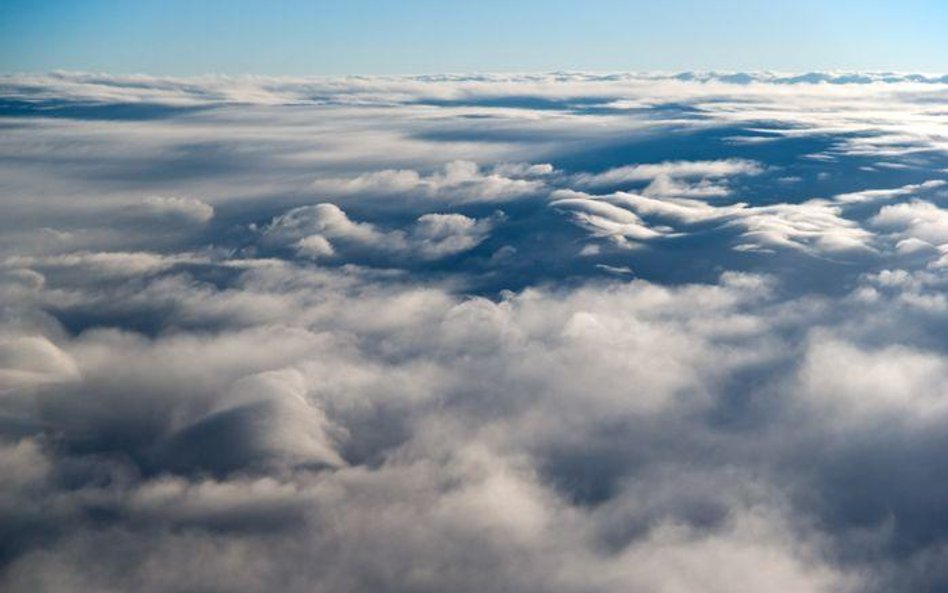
(558, 333)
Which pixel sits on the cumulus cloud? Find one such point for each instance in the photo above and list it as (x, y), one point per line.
(328, 220)
(554, 332)
(315, 246)
(891, 383)
(29, 360)
(211, 405)
(438, 235)
(918, 219)
(311, 230)
(266, 418)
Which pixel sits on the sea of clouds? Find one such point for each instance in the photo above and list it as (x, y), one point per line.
(530, 333)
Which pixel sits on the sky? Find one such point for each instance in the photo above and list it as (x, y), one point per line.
(292, 37)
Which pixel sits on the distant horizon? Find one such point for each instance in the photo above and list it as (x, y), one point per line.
(932, 76)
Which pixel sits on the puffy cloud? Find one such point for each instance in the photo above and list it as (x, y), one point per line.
(266, 418)
(446, 234)
(894, 383)
(669, 178)
(916, 220)
(663, 367)
(27, 360)
(330, 221)
(408, 397)
(313, 229)
(603, 219)
(315, 246)
(814, 227)
(457, 182)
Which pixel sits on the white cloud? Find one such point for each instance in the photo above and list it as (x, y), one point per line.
(458, 181)
(603, 219)
(331, 222)
(874, 195)
(27, 360)
(178, 208)
(194, 406)
(862, 385)
(265, 418)
(816, 226)
(438, 235)
(106, 263)
(916, 219)
(313, 229)
(315, 246)
(667, 173)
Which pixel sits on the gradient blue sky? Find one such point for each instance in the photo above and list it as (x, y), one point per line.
(390, 37)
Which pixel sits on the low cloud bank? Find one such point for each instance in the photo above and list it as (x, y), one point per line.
(595, 340)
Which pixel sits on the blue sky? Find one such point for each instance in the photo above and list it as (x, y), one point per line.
(391, 37)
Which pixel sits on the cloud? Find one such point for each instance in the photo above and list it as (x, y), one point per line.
(891, 383)
(667, 178)
(330, 221)
(915, 220)
(177, 209)
(272, 333)
(266, 418)
(105, 263)
(457, 182)
(313, 229)
(814, 226)
(408, 404)
(603, 219)
(315, 246)
(439, 235)
(874, 195)
(29, 360)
